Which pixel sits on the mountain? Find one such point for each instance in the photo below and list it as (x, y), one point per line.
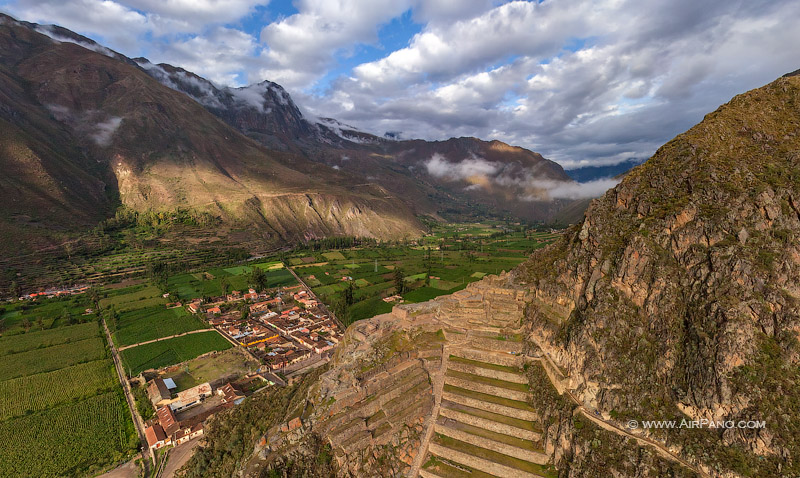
(591, 173)
(85, 130)
(676, 298)
(453, 178)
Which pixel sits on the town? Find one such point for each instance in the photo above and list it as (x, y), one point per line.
(287, 332)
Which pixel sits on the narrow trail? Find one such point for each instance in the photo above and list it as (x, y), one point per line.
(137, 420)
(614, 428)
(167, 338)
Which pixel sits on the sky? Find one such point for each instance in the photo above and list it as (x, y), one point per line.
(582, 82)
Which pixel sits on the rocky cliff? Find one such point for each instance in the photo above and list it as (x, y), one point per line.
(677, 295)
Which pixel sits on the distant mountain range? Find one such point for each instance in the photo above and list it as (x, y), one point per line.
(593, 173)
(86, 129)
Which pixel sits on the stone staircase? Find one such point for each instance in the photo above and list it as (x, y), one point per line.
(486, 426)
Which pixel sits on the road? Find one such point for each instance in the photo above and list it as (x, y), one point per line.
(137, 420)
(178, 456)
(165, 338)
(614, 428)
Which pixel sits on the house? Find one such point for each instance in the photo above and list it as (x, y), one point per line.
(195, 307)
(167, 420)
(231, 393)
(158, 392)
(156, 438)
(213, 311)
(185, 434)
(191, 397)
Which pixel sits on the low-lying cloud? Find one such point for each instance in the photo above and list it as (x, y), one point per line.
(526, 185)
(104, 131)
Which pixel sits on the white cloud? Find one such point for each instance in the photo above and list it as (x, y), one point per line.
(439, 167)
(579, 81)
(572, 190)
(104, 131)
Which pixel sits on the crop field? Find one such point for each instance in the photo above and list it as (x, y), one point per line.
(141, 325)
(62, 412)
(45, 338)
(131, 298)
(52, 358)
(75, 439)
(209, 283)
(51, 312)
(171, 351)
(442, 263)
(23, 395)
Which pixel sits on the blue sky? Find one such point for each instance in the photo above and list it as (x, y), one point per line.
(580, 81)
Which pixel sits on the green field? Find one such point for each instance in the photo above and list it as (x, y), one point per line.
(136, 326)
(62, 411)
(52, 358)
(444, 262)
(45, 338)
(20, 396)
(52, 312)
(135, 297)
(171, 351)
(197, 285)
(76, 439)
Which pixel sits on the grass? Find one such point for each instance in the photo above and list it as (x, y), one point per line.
(495, 417)
(487, 365)
(446, 469)
(75, 439)
(172, 351)
(151, 323)
(46, 338)
(485, 397)
(23, 395)
(494, 382)
(498, 437)
(206, 369)
(138, 298)
(52, 358)
(494, 456)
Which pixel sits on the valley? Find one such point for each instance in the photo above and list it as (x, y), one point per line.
(202, 278)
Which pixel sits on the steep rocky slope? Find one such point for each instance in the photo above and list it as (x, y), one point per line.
(677, 296)
(454, 177)
(85, 130)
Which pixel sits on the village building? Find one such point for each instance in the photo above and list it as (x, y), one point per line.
(158, 392)
(156, 438)
(191, 397)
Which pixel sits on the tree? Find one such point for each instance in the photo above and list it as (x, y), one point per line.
(14, 289)
(258, 279)
(349, 296)
(26, 324)
(40, 323)
(399, 281)
(2, 325)
(223, 284)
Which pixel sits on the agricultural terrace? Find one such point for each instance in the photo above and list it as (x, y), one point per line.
(355, 281)
(62, 412)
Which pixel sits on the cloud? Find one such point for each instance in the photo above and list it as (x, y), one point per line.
(303, 46)
(572, 190)
(439, 167)
(582, 82)
(104, 131)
